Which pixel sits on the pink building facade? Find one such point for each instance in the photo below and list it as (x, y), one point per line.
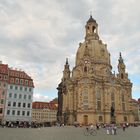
(3, 88)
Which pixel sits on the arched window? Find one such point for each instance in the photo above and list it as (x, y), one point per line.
(85, 69)
(113, 99)
(85, 99)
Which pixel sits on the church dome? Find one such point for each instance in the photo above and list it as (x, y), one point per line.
(92, 47)
(94, 50)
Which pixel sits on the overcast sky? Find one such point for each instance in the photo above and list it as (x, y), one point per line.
(37, 36)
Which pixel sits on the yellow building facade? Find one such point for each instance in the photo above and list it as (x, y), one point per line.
(88, 92)
(44, 115)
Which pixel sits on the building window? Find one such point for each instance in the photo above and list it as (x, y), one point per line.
(14, 104)
(26, 82)
(30, 89)
(122, 75)
(24, 104)
(17, 80)
(31, 83)
(16, 88)
(23, 113)
(1, 110)
(123, 106)
(98, 100)
(98, 105)
(18, 113)
(8, 112)
(15, 95)
(29, 105)
(85, 69)
(19, 104)
(11, 87)
(100, 118)
(112, 96)
(12, 80)
(2, 101)
(21, 81)
(85, 99)
(113, 100)
(21, 88)
(9, 103)
(125, 119)
(25, 89)
(13, 112)
(10, 95)
(24, 96)
(0, 77)
(3, 93)
(28, 113)
(20, 96)
(5, 77)
(122, 97)
(29, 97)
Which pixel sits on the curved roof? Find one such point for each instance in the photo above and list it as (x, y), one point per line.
(91, 19)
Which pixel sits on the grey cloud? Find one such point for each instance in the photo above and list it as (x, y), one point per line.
(39, 35)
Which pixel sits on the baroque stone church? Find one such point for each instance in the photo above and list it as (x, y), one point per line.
(91, 93)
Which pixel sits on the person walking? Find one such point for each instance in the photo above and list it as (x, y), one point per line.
(107, 129)
(115, 130)
(124, 126)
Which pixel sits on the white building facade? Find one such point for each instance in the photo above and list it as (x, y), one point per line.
(18, 102)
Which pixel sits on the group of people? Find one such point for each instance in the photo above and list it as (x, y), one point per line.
(111, 129)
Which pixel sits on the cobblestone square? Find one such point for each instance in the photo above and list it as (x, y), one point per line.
(65, 133)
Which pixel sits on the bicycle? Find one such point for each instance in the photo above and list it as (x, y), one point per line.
(89, 131)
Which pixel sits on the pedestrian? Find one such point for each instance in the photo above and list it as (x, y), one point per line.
(112, 129)
(124, 127)
(115, 130)
(107, 129)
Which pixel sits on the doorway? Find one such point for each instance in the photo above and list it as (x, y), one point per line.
(85, 119)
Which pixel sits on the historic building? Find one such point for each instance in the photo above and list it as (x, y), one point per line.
(135, 110)
(3, 88)
(16, 95)
(44, 112)
(91, 93)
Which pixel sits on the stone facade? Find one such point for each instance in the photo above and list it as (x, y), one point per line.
(88, 92)
(44, 112)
